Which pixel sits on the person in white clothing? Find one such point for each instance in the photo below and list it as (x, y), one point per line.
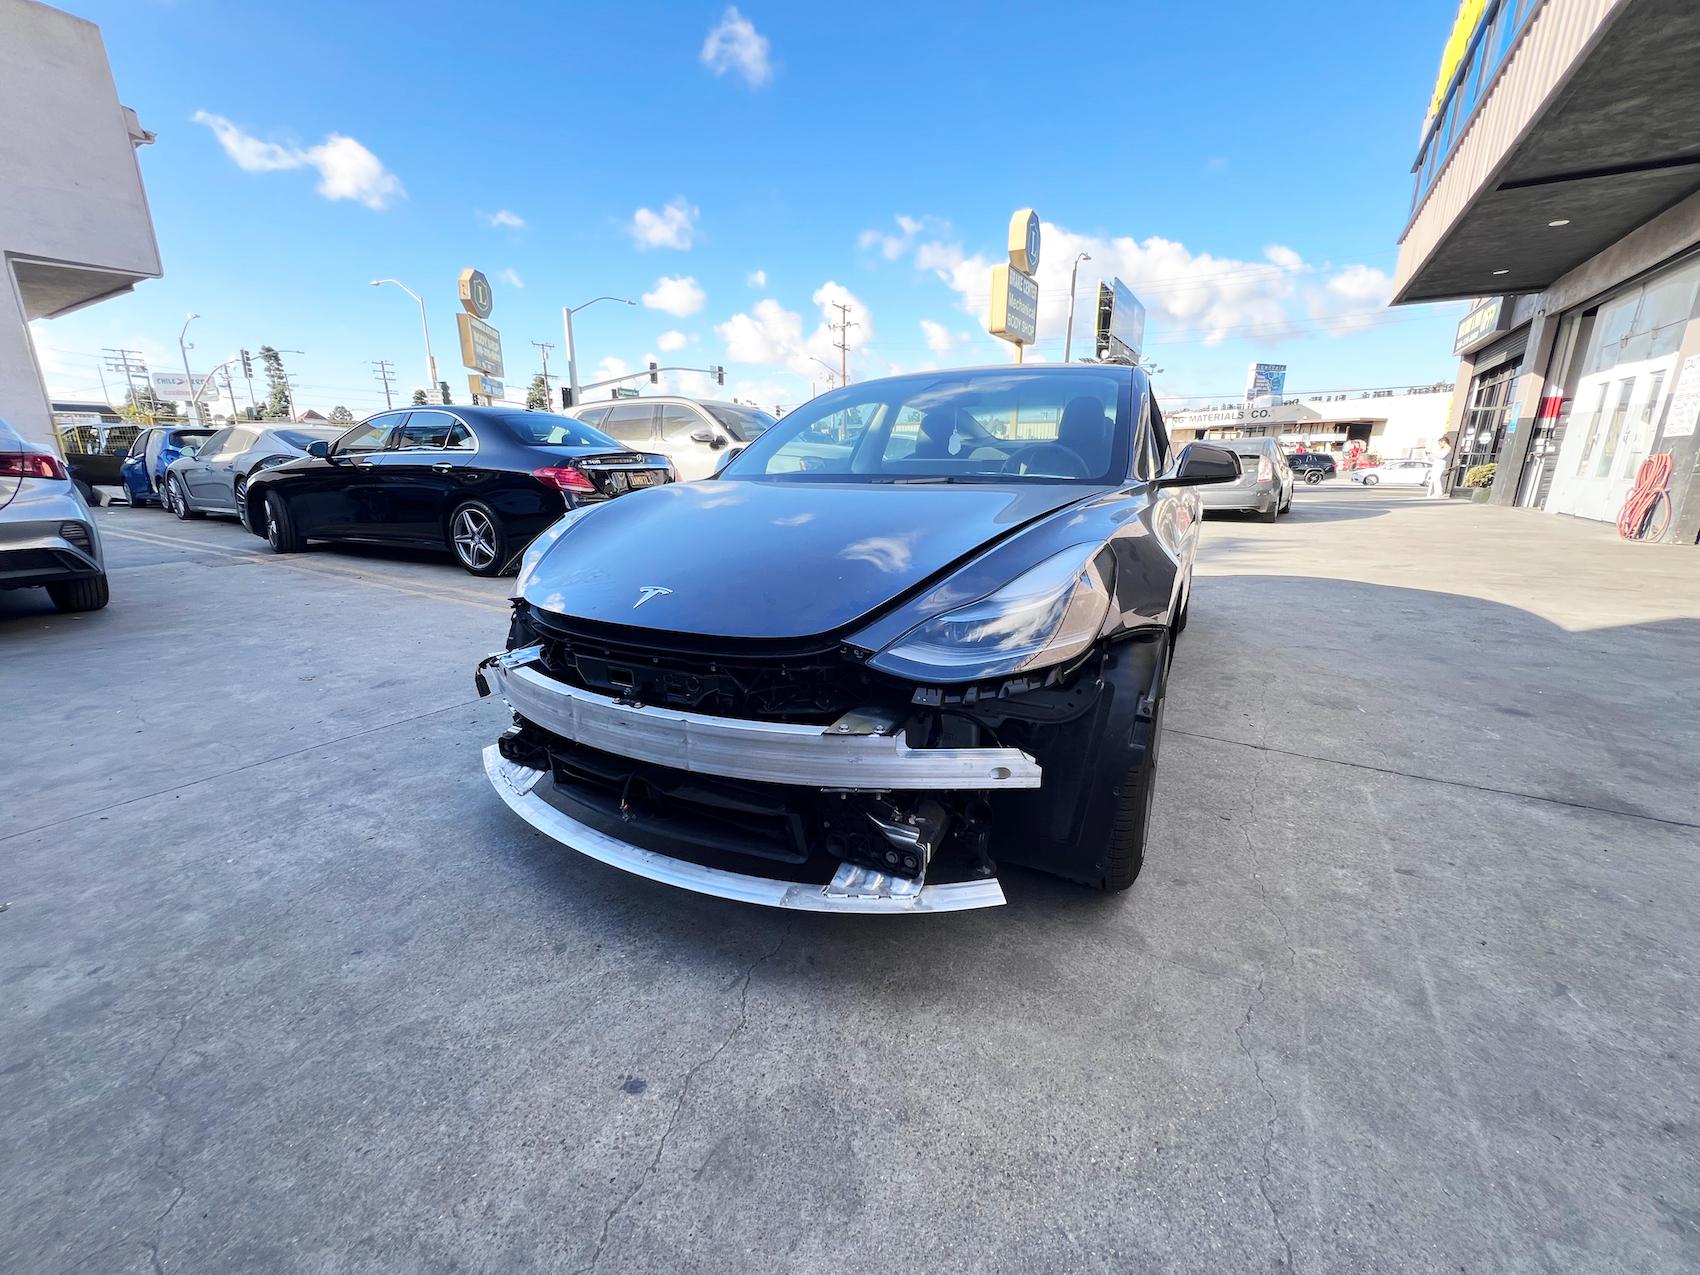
(1440, 465)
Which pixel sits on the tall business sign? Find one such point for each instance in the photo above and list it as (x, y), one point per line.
(1265, 383)
(1121, 323)
(480, 344)
(1014, 312)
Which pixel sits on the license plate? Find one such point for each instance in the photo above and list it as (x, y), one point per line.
(646, 478)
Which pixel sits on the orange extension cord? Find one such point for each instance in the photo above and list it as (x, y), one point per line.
(1652, 483)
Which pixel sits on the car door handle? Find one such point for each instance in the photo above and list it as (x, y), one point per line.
(441, 467)
(363, 464)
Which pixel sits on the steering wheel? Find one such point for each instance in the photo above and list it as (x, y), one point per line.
(1017, 461)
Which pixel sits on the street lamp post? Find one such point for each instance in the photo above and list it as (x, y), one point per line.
(831, 372)
(430, 359)
(567, 313)
(1073, 277)
(188, 377)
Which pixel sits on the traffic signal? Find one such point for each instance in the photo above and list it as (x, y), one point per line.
(654, 369)
(247, 365)
(719, 375)
(566, 397)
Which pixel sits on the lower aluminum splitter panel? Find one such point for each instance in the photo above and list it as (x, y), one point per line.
(850, 890)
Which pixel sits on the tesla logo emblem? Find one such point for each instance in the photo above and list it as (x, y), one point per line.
(649, 592)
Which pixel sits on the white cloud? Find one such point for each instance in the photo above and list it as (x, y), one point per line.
(677, 295)
(773, 336)
(893, 246)
(940, 339)
(735, 45)
(1189, 296)
(673, 227)
(502, 218)
(756, 278)
(670, 340)
(347, 170)
(510, 276)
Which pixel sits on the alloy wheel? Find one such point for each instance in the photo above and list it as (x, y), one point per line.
(241, 497)
(474, 539)
(273, 534)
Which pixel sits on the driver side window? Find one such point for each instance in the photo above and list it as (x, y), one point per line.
(364, 438)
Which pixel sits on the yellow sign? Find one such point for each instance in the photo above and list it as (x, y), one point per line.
(1024, 241)
(1015, 306)
(475, 296)
(480, 345)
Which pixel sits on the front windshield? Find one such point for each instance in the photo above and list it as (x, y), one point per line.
(746, 423)
(999, 425)
(547, 428)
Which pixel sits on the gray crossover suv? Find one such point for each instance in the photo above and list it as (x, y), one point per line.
(47, 536)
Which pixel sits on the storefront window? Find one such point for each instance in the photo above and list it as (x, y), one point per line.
(1614, 360)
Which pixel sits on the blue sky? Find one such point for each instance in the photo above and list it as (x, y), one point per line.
(1243, 166)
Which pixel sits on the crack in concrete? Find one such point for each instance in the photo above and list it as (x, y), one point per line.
(684, 1094)
(162, 1156)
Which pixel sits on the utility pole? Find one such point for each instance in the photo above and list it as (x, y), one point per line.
(188, 376)
(130, 363)
(1073, 287)
(543, 348)
(842, 327)
(230, 389)
(386, 374)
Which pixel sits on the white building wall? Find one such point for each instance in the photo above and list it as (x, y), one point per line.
(74, 221)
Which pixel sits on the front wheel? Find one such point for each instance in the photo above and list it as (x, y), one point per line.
(79, 595)
(240, 495)
(1370, 480)
(281, 534)
(477, 539)
(1313, 476)
(1133, 806)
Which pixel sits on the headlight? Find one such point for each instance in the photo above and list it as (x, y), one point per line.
(1044, 616)
(545, 541)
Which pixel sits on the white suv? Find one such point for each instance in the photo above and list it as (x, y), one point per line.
(696, 437)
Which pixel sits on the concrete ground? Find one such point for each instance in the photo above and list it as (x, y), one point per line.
(1409, 981)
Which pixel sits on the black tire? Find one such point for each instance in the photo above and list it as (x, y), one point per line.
(1273, 512)
(1370, 480)
(477, 539)
(1313, 477)
(239, 495)
(1133, 807)
(86, 492)
(177, 500)
(280, 528)
(89, 594)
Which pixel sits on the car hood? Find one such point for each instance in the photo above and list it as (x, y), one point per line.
(780, 560)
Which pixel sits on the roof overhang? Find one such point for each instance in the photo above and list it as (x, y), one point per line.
(52, 288)
(1609, 142)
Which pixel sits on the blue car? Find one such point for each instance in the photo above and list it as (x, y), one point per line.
(143, 470)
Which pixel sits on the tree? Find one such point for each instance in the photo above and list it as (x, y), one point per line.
(537, 395)
(341, 415)
(143, 407)
(419, 398)
(279, 406)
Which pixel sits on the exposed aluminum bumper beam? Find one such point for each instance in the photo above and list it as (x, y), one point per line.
(768, 752)
(850, 890)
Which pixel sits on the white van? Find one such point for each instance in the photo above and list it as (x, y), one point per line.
(695, 436)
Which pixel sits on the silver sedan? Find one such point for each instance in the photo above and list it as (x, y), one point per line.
(213, 479)
(47, 536)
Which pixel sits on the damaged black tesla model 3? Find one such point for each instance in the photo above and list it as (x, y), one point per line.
(921, 627)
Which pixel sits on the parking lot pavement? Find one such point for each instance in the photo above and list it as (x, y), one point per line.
(1407, 984)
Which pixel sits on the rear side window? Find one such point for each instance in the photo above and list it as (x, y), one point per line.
(425, 430)
(592, 416)
(630, 424)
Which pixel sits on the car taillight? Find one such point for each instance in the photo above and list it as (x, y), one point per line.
(565, 477)
(1265, 471)
(30, 465)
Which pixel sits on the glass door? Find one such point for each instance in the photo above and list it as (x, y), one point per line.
(1483, 427)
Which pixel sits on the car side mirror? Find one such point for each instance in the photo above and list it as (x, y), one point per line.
(704, 435)
(1200, 464)
(728, 458)
(319, 449)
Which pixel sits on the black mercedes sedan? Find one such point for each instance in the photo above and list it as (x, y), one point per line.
(921, 627)
(481, 482)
